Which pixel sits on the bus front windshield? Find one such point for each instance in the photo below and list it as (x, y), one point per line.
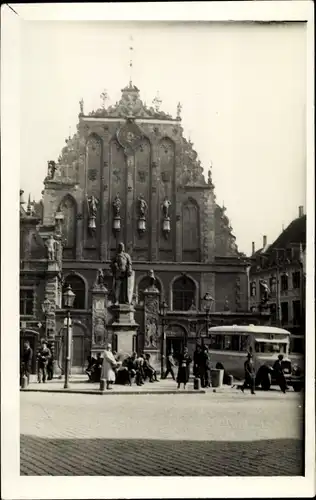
(269, 347)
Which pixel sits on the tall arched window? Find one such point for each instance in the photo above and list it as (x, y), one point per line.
(143, 284)
(183, 294)
(190, 231)
(79, 288)
(68, 208)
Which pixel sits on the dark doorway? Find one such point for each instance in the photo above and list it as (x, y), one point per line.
(174, 344)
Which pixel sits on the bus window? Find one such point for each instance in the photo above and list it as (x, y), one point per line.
(227, 342)
(243, 342)
(267, 347)
(216, 342)
(235, 342)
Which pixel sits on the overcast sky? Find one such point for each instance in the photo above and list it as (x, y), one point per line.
(243, 90)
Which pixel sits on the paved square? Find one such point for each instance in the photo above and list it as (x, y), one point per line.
(228, 433)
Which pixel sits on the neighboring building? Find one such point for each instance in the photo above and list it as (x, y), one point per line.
(279, 268)
(129, 175)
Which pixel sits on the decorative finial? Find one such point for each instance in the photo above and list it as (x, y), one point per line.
(157, 102)
(69, 132)
(131, 48)
(29, 206)
(104, 97)
(179, 109)
(81, 103)
(22, 202)
(209, 175)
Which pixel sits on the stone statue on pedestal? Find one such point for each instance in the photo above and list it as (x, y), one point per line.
(51, 248)
(121, 267)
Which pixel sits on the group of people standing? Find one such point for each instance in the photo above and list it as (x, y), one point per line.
(250, 374)
(112, 369)
(138, 368)
(201, 366)
(44, 363)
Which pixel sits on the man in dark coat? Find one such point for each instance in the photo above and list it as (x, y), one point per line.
(250, 374)
(206, 367)
(199, 364)
(184, 368)
(279, 374)
(42, 361)
(26, 362)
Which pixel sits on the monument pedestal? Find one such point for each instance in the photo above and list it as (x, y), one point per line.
(124, 327)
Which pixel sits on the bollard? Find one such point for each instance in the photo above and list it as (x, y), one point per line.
(24, 381)
(102, 384)
(197, 384)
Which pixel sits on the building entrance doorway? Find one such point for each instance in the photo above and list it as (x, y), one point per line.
(174, 344)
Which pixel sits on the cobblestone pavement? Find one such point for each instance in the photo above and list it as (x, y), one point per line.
(210, 434)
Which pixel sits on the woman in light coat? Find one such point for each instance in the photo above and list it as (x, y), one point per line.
(109, 363)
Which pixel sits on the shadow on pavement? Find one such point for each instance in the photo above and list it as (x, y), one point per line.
(144, 457)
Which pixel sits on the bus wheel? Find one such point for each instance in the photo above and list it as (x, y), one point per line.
(266, 381)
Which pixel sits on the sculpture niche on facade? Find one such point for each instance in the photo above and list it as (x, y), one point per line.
(92, 212)
(123, 276)
(166, 218)
(116, 205)
(142, 210)
(51, 246)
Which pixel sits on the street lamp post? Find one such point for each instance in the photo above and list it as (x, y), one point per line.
(163, 313)
(208, 301)
(69, 298)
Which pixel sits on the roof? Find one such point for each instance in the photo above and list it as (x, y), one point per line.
(271, 330)
(294, 233)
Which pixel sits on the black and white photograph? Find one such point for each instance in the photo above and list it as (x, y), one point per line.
(162, 204)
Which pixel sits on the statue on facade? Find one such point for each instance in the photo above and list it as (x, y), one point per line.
(142, 206)
(226, 305)
(121, 267)
(100, 278)
(165, 207)
(209, 175)
(117, 203)
(93, 206)
(81, 103)
(151, 333)
(179, 109)
(51, 169)
(51, 248)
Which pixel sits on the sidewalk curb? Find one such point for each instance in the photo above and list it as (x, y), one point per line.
(112, 393)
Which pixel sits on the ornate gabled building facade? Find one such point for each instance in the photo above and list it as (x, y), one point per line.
(277, 280)
(129, 175)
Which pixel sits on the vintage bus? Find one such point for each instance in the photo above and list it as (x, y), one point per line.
(228, 346)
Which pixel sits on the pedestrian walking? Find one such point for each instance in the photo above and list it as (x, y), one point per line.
(26, 362)
(170, 363)
(279, 374)
(42, 361)
(108, 366)
(207, 367)
(184, 368)
(250, 374)
(50, 364)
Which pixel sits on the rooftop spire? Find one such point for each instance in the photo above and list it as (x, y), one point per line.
(131, 48)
